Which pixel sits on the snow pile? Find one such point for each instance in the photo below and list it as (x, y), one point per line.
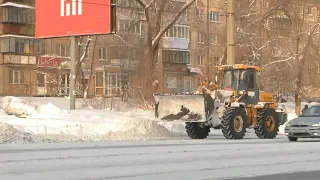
(8, 134)
(46, 121)
(11, 135)
(47, 111)
(134, 129)
(16, 106)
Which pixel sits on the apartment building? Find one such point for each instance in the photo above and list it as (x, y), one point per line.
(30, 67)
(19, 50)
(187, 54)
(118, 58)
(191, 48)
(208, 36)
(35, 67)
(172, 72)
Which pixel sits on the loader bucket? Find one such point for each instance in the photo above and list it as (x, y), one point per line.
(186, 107)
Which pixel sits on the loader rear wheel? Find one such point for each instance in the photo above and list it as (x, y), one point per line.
(196, 131)
(234, 123)
(268, 124)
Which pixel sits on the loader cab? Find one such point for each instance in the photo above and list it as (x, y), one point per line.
(241, 79)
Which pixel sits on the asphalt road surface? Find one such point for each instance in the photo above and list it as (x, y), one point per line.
(214, 158)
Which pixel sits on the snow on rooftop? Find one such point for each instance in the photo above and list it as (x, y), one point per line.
(17, 5)
(17, 36)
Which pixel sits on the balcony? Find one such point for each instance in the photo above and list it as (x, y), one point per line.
(18, 29)
(176, 56)
(175, 43)
(19, 45)
(17, 13)
(177, 37)
(15, 59)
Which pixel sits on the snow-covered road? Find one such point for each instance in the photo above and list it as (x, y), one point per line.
(214, 158)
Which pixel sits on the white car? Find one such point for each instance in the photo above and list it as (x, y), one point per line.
(307, 125)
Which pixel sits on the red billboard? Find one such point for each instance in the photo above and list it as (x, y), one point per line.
(60, 18)
(48, 62)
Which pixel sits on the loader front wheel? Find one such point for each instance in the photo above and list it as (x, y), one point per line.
(196, 131)
(234, 123)
(268, 124)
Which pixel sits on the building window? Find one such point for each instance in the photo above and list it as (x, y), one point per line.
(17, 15)
(102, 53)
(214, 61)
(62, 51)
(16, 77)
(213, 39)
(17, 45)
(178, 31)
(41, 48)
(130, 26)
(137, 29)
(179, 57)
(200, 37)
(124, 25)
(200, 14)
(200, 60)
(41, 80)
(214, 16)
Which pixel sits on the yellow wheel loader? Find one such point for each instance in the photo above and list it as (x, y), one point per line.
(233, 104)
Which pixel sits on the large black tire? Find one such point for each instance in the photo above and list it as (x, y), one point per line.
(265, 130)
(292, 138)
(195, 131)
(231, 117)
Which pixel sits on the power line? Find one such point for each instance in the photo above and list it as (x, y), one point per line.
(128, 7)
(221, 13)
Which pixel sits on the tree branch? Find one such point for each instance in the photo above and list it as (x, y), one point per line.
(167, 26)
(85, 51)
(278, 61)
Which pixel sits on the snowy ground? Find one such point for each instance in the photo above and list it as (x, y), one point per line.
(212, 159)
(91, 121)
(49, 120)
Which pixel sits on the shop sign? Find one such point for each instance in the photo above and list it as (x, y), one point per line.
(48, 62)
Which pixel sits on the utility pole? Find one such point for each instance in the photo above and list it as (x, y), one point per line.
(73, 55)
(208, 44)
(230, 33)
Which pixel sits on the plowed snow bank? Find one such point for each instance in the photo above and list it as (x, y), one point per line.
(140, 130)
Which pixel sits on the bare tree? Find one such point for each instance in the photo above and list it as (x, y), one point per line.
(160, 15)
(292, 50)
(303, 33)
(80, 64)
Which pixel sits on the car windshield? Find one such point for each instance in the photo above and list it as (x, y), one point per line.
(311, 111)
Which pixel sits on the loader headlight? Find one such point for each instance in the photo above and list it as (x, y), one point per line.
(316, 124)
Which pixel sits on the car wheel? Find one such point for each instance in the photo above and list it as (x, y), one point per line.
(292, 138)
